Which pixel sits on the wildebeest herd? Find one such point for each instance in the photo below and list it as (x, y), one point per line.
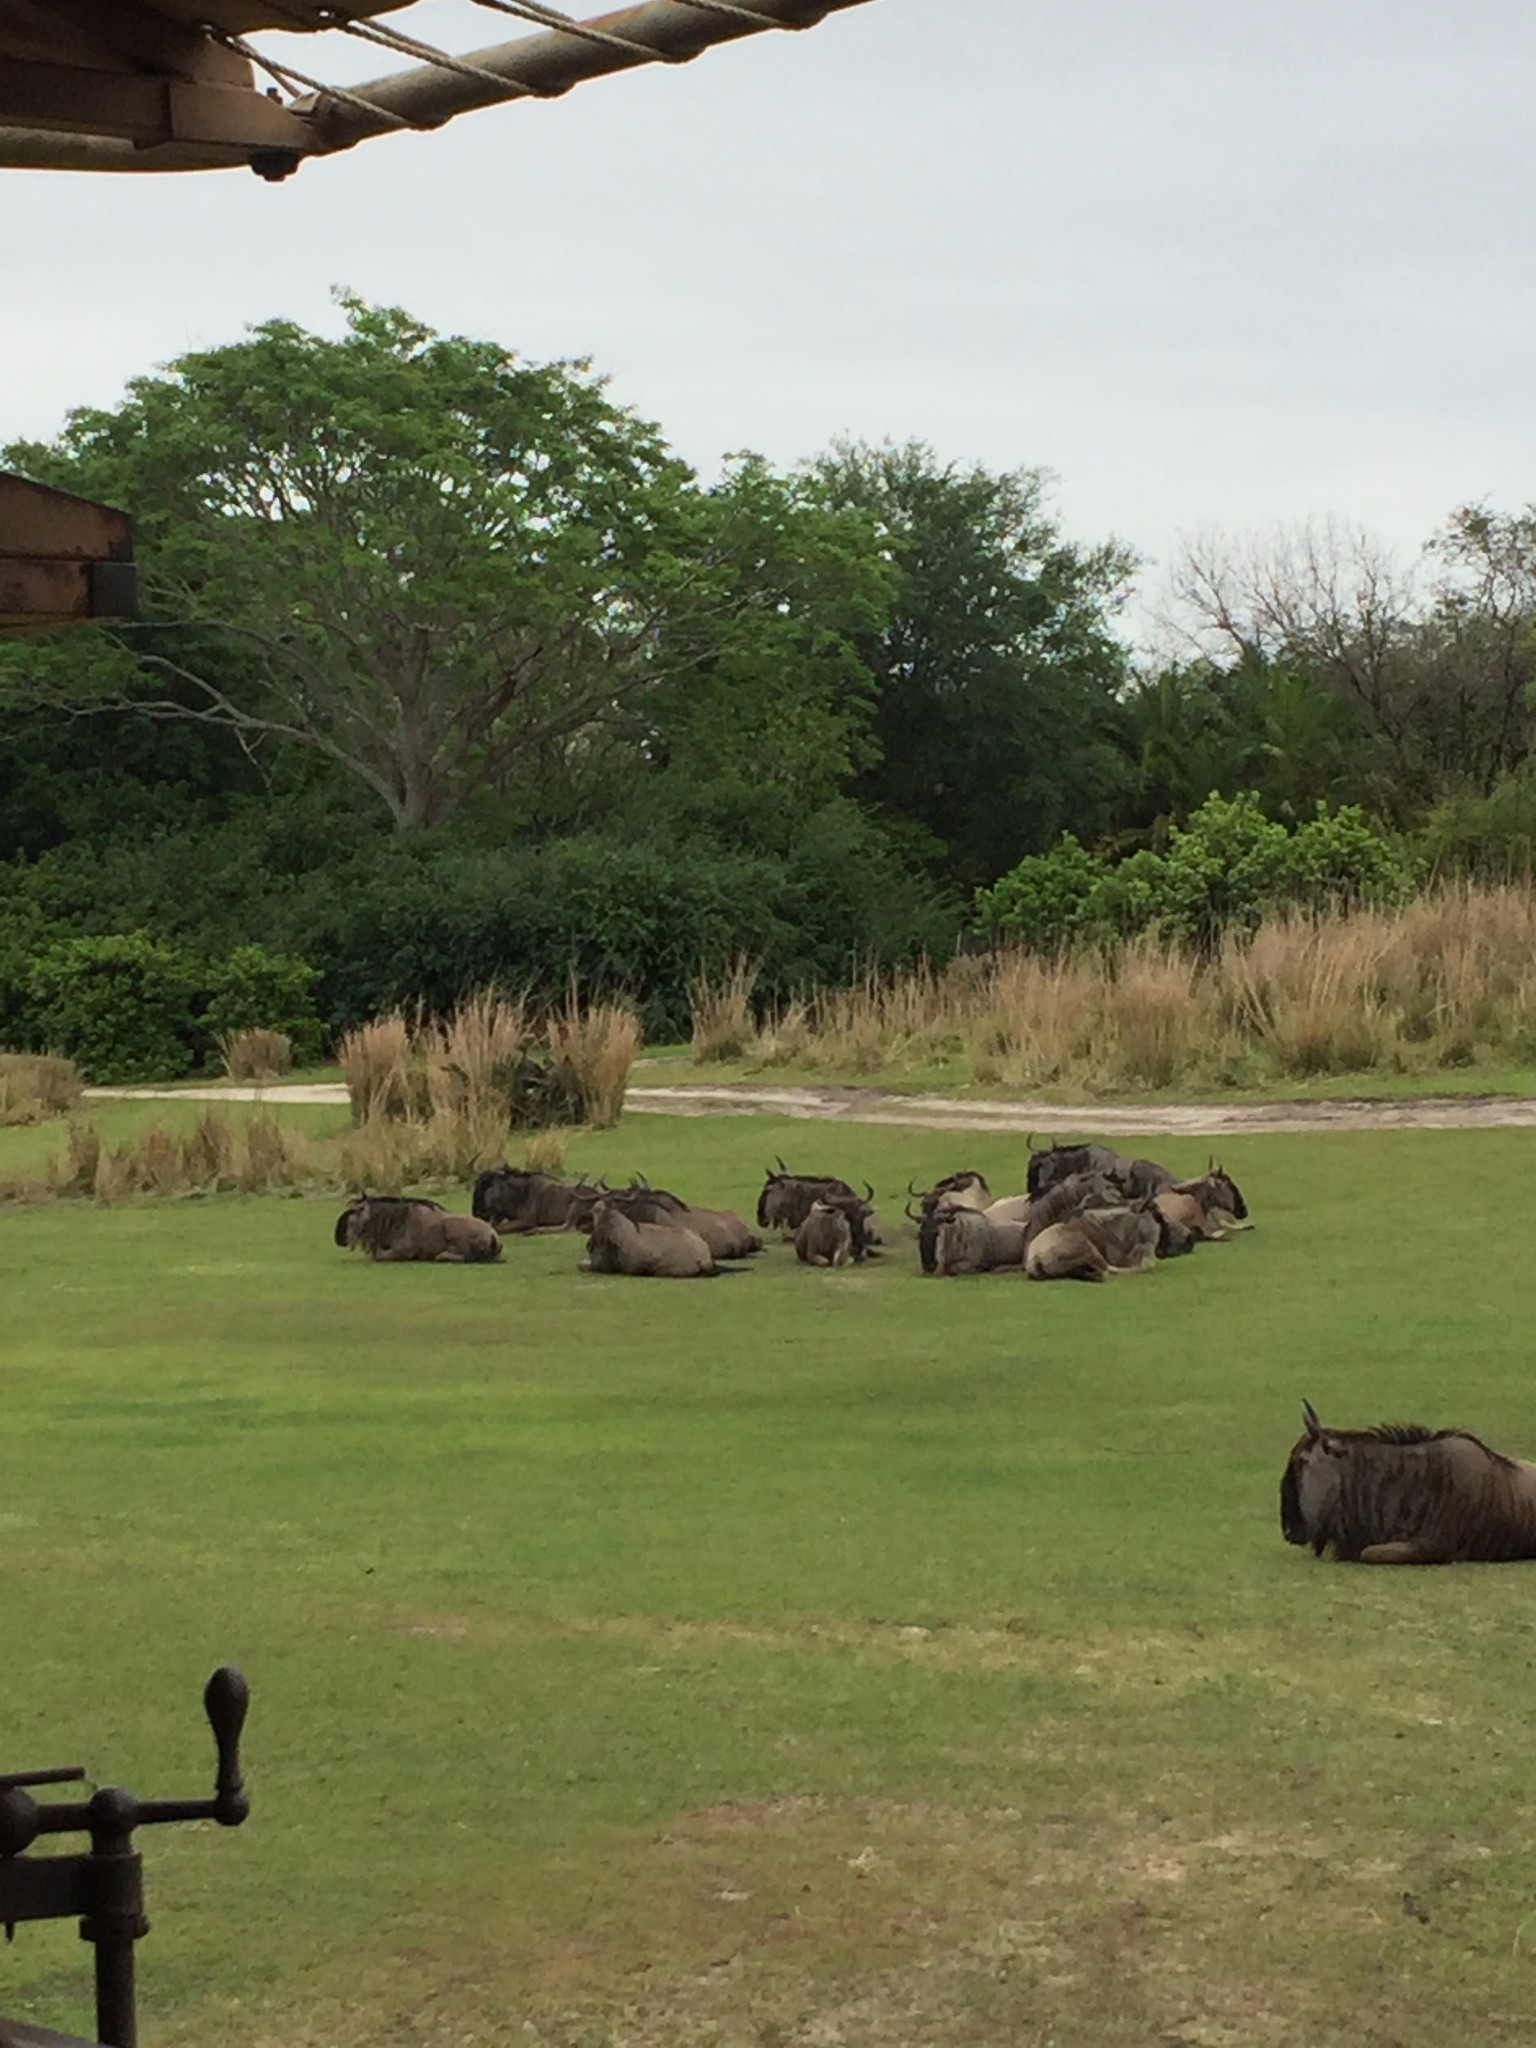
(1086, 1212)
(1395, 1494)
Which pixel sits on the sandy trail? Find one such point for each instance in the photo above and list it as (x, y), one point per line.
(949, 1113)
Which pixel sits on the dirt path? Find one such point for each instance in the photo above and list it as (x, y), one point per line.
(948, 1113)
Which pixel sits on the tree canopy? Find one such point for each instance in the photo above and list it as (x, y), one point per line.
(451, 573)
(997, 668)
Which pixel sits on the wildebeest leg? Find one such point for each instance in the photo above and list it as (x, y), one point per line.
(1401, 1553)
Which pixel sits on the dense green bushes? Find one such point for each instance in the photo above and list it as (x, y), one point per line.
(401, 920)
(128, 1007)
(1222, 872)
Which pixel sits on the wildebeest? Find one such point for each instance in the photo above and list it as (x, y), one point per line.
(1056, 1163)
(955, 1191)
(969, 1241)
(727, 1236)
(518, 1201)
(1098, 1240)
(1210, 1208)
(1402, 1494)
(821, 1229)
(1134, 1178)
(825, 1238)
(1067, 1198)
(660, 1251)
(400, 1227)
(1218, 1191)
(786, 1199)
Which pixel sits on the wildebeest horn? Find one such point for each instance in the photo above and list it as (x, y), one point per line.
(914, 1193)
(1029, 1140)
(907, 1212)
(1309, 1417)
(869, 1193)
(782, 1167)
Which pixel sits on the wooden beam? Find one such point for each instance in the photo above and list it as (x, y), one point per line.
(145, 110)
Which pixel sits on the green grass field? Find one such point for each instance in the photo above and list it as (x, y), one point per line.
(786, 1661)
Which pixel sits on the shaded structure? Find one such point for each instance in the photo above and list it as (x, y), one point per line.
(174, 85)
(64, 561)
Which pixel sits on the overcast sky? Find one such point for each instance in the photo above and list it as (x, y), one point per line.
(1215, 263)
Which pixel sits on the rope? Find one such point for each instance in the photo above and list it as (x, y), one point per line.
(551, 17)
(751, 14)
(287, 76)
(392, 39)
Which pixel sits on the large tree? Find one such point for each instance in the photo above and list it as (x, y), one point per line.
(456, 575)
(1432, 660)
(997, 667)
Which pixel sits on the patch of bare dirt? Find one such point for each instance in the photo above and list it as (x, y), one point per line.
(1191, 1120)
(952, 1113)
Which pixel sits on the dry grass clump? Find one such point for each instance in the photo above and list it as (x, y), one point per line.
(1156, 1017)
(382, 1071)
(545, 1151)
(1030, 1021)
(35, 1086)
(217, 1155)
(1445, 981)
(255, 1055)
(594, 1046)
(721, 1006)
(785, 1034)
(435, 1099)
(391, 1154)
(1307, 991)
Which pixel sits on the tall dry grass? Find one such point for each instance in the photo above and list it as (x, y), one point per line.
(435, 1099)
(1448, 980)
(720, 1005)
(217, 1155)
(594, 1046)
(35, 1086)
(255, 1055)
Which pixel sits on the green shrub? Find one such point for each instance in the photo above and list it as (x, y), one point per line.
(122, 1007)
(254, 990)
(1224, 871)
(1044, 900)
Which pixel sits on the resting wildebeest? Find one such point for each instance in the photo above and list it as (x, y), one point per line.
(825, 1238)
(403, 1227)
(1067, 1198)
(1402, 1494)
(1210, 1208)
(519, 1202)
(727, 1236)
(786, 1199)
(969, 1241)
(1098, 1240)
(955, 1191)
(1056, 1163)
(645, 1251)
(1133, 1177)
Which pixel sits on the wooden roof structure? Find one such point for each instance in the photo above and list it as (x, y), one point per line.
(175, 85)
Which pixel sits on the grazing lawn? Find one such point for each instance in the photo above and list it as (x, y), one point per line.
(785, 1661)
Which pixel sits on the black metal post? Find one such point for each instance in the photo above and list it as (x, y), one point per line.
(116, 1919)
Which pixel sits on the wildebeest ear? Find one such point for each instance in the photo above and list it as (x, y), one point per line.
(1309, 1418)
